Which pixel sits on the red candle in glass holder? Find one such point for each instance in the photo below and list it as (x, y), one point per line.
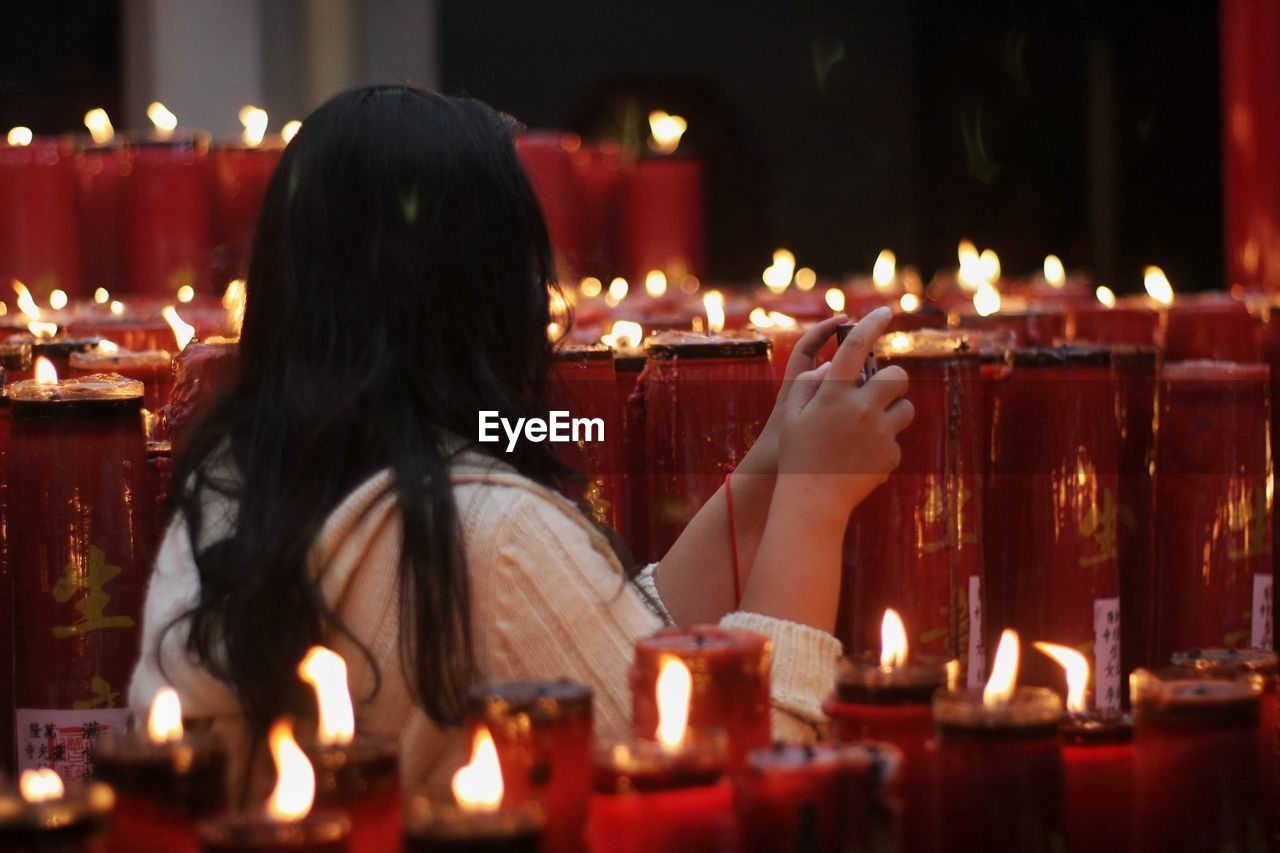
(705, 400)
(45, 816)
(826, 798)
(998, 763)
(584, 385)
(730, 690)
(660, 221)
(1197, 761)
(240, 177)
(99, 202)
(1208, 326)
(1052, 512)
(165, 782)
(153, 368)
(38, 241)
(547, 159)
(543, 734)
(166, 229)
(914, 543)
(1213, 548)
(80, 526)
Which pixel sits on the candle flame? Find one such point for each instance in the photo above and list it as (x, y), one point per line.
(295, 777)
(805, 279)
(254, 120)
(777, 276)
(624, 334)
(477, 786)
(666, 131)
(884, 271)
(45, 373)
(1055, 274)
(58, 300)
(117, 308)
(105, 347)
(986, 301)
(1004, 671)
(1076, 667)
(899, 342)
(164, 120)
(186, 293)
(953, 674)
(893, 640)
(762, 319)
(713, 303)
(19, 137)
(183, 332)
(233, 299)
(617, 292)
(326, 672)
(1157, 285)
(42, 330)
(759, 318)
(655, 283)
(101, 295)
(970, 275)
(675, 688)
(989, 262)
(40, 786)
(290, 130)
(590, 287)
(909, 302)
(99, 125)
(164, 723)
(835, 299)
(26, 302)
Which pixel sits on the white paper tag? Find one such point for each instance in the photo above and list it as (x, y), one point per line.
(977, 654)
(1106, 653)
(1260, 624)
(65, 740)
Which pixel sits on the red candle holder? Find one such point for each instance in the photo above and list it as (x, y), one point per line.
(240, 178)
(361, 780)
(98, 171)
(999, 771)
(38, 242)
(153, 368)
(1029, 328)
(432, 828)
(893, 705)
(163, 790)
(1208, 326)
(543, 734)
(318, 832)
(660, 223)
(547, 159)
(166, 229)
(203, 374)
(15, 366)
(1097, 756)
(81, 528)
(731, 683)
(1197, 761)
(1134, 324)
(828, 798)
(584, 384)
(913, 544)
(1213, 551)
(74, 822)
(705, 400)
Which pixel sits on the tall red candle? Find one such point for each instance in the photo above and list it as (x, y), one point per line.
(240, 178)
(627, 367)
(731, 683)
(1213, 548)
(15, 365)
(598, 170)
(660, 223)
(73, 822)
(547, 159)
(1134, 323)
(136, 330)
(81, 528)
(153, 368)
(434, 828)
(166, 229)
(1030, 328)
(584, 385)
(98, 215)
(1097, 758)
(361, 780)
(38, 241)
(58, 350)
(1197, 761)
(1208, 326)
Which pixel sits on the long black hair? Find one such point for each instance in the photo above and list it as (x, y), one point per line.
(398, 284)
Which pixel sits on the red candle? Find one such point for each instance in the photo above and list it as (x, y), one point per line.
(730, 690)
(1213, 548)
(598, 170)
(1212, 326)
(43, 816)
(130, 330)
(165, 781)
(584, 385)
(627, 367)
(913, 545)
(240, 178)
(547, 159)
(15, 365)
(1197, 761)
(160, 474)
(1051, 514)
(99, 204)
(705, 400)
(827, 798)
(1030, 328)
(81, 528)
(203, 374)
(782, 332)
(166, 217)
(58, 350)
(38, 242)
(153, 368)
(1131, 322)
(1097, 757)
(542, 731)
(660, 223)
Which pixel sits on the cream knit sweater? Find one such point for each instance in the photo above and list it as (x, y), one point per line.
(548, 599)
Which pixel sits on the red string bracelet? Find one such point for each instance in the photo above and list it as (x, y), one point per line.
(733, 540)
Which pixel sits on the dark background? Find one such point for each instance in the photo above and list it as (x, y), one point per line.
(1089, 129)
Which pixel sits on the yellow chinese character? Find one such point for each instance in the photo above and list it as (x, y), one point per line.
(1248, 517)
(93, 604)
(934, 511)
(103, 695)
(1099, 524)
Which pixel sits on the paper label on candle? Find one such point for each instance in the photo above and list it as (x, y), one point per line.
(1106, 653)
(65, 741)
(977, 654)
(1260, 627)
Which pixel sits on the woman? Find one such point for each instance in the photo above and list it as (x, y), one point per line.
(398, 286)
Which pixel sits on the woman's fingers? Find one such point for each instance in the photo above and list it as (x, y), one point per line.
(806, 385)
(899, 415)
(888, 384)
(852, 354)
(810, 344)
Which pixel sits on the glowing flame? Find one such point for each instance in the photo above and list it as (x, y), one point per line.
(254, 120)
(886, 267)
(909, 302)
(759, 318)
(19, 137)
(713, 302)
(986, 301)
(763, 319)
(624, 334)
(777, 276)
(1076, 666)
(1054, 272)
(233, 303)
(117, 308)
(1004, 671)
(617, 292)
(893, 640)
(164, 120)
(989, 262)
(1106, 296)
(42, 330)
(99, 125)
(26, 303)
(590, 287)
(105, 347)
(290, 130)
(675, 687)
(477, 786)
(899, 342)
(58, 300)
(666, 131)
(953, 674)
(835, 299)
(186, 293)
(326, 672)
(655, 283)
(183, 331)
(40, 786)
(295, 777)
(970, 275)
(1157, 285)
(805, 279)
(45, 373)
(164, 723)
